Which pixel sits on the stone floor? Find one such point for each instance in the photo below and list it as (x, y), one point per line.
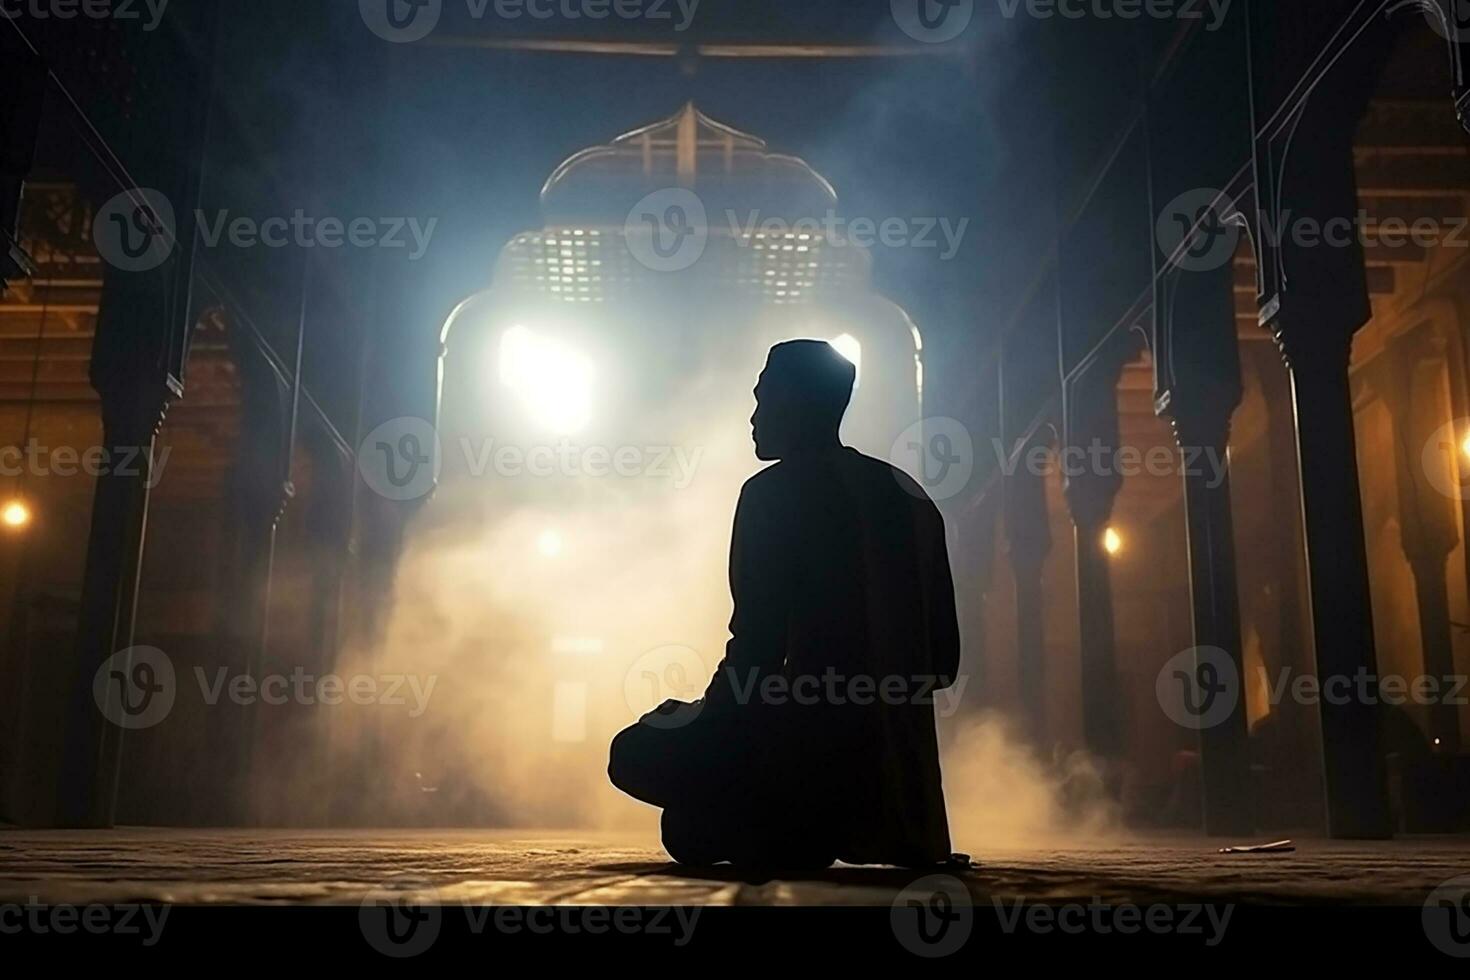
(577, 868)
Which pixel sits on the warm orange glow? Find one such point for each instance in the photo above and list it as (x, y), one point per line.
(1112, 541)
(1465, 445)
(15, 514)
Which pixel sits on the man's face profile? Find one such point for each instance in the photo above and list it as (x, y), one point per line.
(772, 422)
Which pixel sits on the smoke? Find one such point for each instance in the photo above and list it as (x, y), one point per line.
(1001, 793)
(555, 610)
(552, 611)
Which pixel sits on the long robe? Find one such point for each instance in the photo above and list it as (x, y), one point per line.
(842, 587)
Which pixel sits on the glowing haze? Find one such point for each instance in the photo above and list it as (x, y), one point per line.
(555, 610)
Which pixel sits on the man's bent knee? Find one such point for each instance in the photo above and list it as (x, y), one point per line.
(630, 763)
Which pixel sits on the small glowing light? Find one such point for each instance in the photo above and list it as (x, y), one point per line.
(1465, 445)
(550, 544)
(1112, 541)
(1436, 741)
(15, 514)
(553, 379)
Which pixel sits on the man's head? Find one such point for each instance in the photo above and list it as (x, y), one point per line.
(801, 398)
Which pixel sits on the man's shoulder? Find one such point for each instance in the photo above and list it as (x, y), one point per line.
(870, 464)
(768, 481)
(778, 479)
(890, 477)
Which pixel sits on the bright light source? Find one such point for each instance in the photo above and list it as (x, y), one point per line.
(851, 348)
(15, 514)
(1112, 541)
(1465, 445)
(550, 544)
(553, 379)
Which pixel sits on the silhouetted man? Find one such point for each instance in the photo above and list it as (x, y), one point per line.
(815, 740)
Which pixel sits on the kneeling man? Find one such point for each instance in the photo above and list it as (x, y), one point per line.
(815, 740)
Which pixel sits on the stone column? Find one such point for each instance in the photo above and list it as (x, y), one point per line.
(1313, 299)
(1337, 570)
(1199, 388)
(1092, 421)
(1427, 518)
(134, 401)
(1028, 539)
(260, 492)
(145, 329)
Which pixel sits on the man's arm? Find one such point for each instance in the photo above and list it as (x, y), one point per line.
(759, 564)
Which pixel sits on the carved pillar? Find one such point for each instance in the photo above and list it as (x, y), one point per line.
(1337, 564)
(1457, 353)
(134, 401)
(264, 503)
(1028, 539)
(1092, 421)
(1427, 530)
(23, 76)
(1314, 298)
(1284, 583)
(1199, 386)
(260, 491)
(144, 331)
